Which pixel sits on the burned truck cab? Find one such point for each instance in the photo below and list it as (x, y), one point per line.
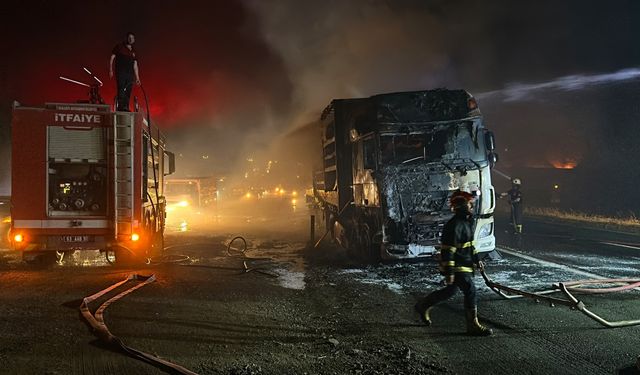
(390, 163)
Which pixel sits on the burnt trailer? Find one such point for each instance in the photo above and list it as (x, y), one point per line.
(390, 163)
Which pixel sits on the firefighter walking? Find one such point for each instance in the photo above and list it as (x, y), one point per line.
(457, 260)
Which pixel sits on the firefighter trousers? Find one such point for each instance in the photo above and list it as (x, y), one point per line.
(516, 215)
(462, 281)
(125, 85)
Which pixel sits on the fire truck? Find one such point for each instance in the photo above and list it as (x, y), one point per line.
(86, 177)
(389, 164)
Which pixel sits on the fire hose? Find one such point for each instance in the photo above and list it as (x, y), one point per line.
(571, 301)
(100, 329)
(232, 252)
(242, 254)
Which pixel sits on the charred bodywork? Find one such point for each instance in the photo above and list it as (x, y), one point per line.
(390, 163)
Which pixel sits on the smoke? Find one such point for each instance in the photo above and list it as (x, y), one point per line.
(212, 81)
(230, 81)
(338, 49)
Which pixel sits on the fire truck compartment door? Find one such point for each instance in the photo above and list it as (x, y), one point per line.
(76, 143)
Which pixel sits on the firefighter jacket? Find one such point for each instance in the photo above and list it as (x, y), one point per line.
(457, 253)
(515, 196)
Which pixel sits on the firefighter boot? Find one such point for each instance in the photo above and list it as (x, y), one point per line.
(423, 310)
(474, 328)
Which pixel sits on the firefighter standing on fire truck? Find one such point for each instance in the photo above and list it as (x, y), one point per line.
(457, 259)
(126, 71)
(515, 200)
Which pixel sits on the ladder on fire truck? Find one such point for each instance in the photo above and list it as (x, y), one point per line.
(123, 138)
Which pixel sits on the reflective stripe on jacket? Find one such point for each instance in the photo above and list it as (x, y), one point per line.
(457, 251)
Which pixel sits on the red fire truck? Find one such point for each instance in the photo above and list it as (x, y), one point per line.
(85, 177)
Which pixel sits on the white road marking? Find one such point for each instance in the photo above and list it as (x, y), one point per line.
(620, 245)
(551, 264)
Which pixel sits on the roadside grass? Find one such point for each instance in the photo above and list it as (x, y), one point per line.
(630, 222)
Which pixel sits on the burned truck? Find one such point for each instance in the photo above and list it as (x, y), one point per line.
(389, 164)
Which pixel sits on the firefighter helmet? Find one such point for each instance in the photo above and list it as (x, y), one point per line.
(516, 181)
(460, 198)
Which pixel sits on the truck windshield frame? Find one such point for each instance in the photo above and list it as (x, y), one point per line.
(448, 142)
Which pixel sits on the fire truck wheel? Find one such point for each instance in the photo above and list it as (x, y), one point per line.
(124, 257)
(110, 256)
(120, 256)
(157, 247)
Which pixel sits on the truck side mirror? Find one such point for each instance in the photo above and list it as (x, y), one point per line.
(170, 165)
(493, 159)
(489, 141)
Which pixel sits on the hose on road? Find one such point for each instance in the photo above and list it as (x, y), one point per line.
(100, 329)
(574, 286)
(571, 302)
(241, 253)
(238, 252)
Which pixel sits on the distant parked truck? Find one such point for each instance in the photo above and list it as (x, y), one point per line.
(390, 163)
(85, 177)
(195, 192)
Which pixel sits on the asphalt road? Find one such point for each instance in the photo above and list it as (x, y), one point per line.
(299, 311)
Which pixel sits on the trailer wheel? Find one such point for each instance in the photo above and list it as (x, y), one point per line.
(157, 245)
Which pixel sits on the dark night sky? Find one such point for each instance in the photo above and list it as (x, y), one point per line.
(226, 76)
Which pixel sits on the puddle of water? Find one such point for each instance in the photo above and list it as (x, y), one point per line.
(291, 279)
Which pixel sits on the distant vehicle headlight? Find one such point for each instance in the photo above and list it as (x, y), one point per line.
(485, 230)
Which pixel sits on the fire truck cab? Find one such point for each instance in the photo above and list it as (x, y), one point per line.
(86, 177)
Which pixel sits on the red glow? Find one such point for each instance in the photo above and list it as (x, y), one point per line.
(171, 104)
(206, 72)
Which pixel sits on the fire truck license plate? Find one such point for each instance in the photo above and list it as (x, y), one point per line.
(75, 238)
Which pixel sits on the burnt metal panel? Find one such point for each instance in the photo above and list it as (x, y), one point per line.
(423, 106)
(349, 114)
